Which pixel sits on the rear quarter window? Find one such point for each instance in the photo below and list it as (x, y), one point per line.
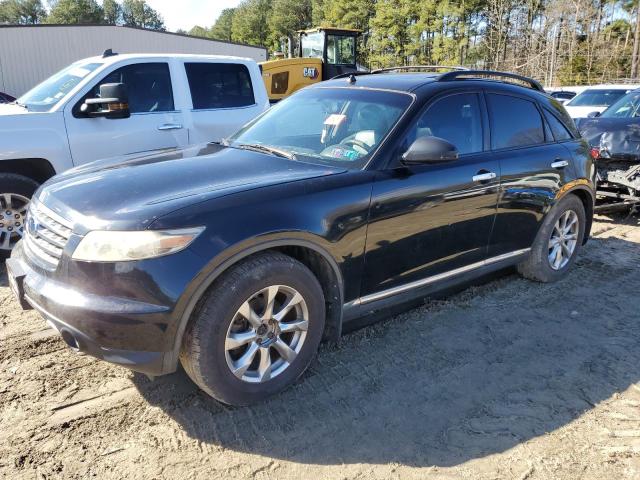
(219, 85)
(506, 131)
(558, 128)
(557, 109)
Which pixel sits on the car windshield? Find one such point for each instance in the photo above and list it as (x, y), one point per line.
(44, 96)
(596, 98)
(333, 126)
(627, 107)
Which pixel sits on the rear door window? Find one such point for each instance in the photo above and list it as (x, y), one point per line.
(219, 85)
(515, 122)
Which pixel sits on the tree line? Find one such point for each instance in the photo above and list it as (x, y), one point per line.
(559, 42)
(132, 13)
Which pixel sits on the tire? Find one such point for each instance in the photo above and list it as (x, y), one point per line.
(204, 353)
(21, 189)
(538, 265)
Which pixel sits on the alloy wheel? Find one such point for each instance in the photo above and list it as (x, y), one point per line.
(13, 210)
(266, 333)
(564, 239)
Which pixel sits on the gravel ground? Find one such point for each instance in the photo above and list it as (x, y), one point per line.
(508, 379)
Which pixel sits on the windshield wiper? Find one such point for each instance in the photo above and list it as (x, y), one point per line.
(257, 147)
(16, 102)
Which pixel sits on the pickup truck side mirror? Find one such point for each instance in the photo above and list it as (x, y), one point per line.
(426, 150)
(113, 102)
(593, 114)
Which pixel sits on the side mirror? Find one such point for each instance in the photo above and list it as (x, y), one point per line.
(593, 114)
(425, 150)
(112, 103)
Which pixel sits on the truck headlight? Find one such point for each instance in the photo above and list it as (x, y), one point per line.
(122, 246)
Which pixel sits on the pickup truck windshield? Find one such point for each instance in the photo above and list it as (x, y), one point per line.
(333, 126)
(596, 98)
(44, 96)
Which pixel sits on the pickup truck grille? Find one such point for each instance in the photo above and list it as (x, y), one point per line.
(46, 234)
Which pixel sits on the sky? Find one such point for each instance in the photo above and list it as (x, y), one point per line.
(185, 14)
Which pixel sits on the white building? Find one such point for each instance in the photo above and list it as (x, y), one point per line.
(29, 54)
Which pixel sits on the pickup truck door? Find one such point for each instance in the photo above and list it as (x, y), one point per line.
(154, 124)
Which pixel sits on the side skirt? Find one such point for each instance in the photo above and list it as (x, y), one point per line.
(421, 288)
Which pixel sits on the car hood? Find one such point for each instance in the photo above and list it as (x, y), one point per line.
(616, 137)
(12, 109)
(130, 193)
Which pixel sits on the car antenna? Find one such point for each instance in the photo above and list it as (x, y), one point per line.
(108, 53)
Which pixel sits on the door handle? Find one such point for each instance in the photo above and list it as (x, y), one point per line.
(483, 177)
(559, 164)
(170, 126)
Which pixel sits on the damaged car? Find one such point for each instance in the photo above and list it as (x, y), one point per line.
(614, 136)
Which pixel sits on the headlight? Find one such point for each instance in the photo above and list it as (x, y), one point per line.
(111, 246)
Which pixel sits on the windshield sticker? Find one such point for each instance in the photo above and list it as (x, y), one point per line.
(79, 72)
(343, 153)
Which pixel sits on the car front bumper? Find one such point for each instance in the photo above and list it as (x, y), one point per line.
(129, 332)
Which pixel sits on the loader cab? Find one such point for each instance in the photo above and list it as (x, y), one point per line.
(322, 54)
(336, 48)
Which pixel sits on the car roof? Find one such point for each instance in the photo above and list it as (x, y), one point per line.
(115, 58)
(404, 82)
(410, 82)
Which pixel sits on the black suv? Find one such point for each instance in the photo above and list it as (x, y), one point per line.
(349, 197)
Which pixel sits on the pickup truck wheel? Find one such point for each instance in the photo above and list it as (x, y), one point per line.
(15, 193)
(256, 331)
(557, 243)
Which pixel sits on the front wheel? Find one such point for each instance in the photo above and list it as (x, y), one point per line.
(256, 331)
(558, 242)
(15, 194)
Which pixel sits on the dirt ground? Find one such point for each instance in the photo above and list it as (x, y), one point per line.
(509, 379)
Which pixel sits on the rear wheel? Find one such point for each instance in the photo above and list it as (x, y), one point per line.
(256, 331)
(15, 194)
(557, 243)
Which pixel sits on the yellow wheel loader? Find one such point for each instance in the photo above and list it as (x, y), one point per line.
(322, 54)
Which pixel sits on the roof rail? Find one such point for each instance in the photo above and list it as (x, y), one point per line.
(410, 68)
(460, 75)
(348, 74)
(407, 68)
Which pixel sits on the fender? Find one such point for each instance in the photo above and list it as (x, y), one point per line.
(35, 135)
(578, 184)
(217, 267)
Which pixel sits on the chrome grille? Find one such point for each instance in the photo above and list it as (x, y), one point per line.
(46, 234)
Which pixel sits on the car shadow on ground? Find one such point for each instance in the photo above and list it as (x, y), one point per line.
(453, 380)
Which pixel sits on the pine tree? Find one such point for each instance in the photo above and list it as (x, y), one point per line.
(75, 12)
(250, 22)
(222, 29)
(23, 12)
(136, 13)
(112, 12)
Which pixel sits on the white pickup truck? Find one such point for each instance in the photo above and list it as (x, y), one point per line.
(117, 105)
